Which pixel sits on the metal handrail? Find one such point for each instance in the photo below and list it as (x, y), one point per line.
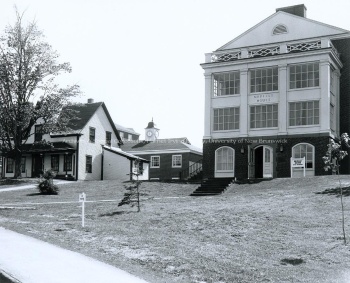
(191, 171)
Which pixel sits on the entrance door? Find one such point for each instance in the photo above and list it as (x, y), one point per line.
(267, 162)
(37, 165)
(261, 162)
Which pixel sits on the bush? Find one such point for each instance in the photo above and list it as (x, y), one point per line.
(46, 185)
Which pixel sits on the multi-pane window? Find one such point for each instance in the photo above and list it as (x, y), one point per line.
(155, 161)
(224, 159)
(92, 134)
(304, 150)
(226, 119)
(9, 165)
(38, 135)
(55, 162)
(226, 83)
(67, 164)
(331, 117)
(177, 160)
(264, 79)
(88, 164)
(264, 116)
(304, 113)
(108, 138)
(304, 75)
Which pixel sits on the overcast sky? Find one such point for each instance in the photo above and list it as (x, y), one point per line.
(142, 57)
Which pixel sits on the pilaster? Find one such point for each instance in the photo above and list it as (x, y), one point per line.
(243, 119)
(283, 101)
(207, 106)
(325, 96)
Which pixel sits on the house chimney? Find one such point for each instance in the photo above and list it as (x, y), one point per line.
(90, 100)
(298, 10)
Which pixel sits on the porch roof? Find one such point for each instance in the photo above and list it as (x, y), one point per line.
(53, 147)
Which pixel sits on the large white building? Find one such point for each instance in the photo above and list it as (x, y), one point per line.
(277, 91)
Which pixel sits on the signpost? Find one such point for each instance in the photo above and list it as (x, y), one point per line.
(296, 163)
(82, 199)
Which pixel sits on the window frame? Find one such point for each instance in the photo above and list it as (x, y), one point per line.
(68, 163)
(38, 133)
(108, 138)
(8, 168)
(273, 113)
(88, 163)
(264, 84)
(173, 161)
(306, 152)
(304, 82)
(52, 162)
(92, 134)
(226, 170)
(221, 121)
(222, 83)
(296, 114)
(152, 161)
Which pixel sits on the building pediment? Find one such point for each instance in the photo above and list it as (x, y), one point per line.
(282, 27)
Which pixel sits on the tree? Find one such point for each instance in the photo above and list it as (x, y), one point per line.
(336, 152)
(28, 92)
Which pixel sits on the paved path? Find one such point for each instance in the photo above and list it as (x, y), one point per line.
(32, 261)
(29, 186)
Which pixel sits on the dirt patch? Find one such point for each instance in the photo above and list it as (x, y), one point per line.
(336, 191)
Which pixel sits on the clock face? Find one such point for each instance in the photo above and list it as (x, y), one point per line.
(149, 133)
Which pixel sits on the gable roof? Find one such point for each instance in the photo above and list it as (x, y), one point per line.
(84, 113)
(123, 153)
(298, 28)
(126, 130)
(176, 144)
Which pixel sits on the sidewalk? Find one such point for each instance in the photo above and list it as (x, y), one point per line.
(29, 186)
(32, 261)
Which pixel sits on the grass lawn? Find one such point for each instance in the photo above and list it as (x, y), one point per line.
(284, 230)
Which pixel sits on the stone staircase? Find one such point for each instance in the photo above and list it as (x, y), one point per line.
(212, 186)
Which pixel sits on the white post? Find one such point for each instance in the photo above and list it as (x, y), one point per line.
(82, 199)
(304, 166)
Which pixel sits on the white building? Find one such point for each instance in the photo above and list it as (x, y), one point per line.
(273, 93)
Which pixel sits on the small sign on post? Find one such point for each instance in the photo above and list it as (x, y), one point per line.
(296, 163)
(82, 199)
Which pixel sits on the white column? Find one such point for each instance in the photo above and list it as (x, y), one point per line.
(244, 108)
(207, 106)
(283, 101)
(337, 102)
(325, 96)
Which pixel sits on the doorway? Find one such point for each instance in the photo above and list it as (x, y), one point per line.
(261, 162)
(37, 165)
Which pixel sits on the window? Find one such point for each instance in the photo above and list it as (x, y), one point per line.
(224, 159)
(108, 138)
(23, 164)
(226, 119)
(92, 135)
(226, 84)
(304, 113)
(177, 160)
(304, 75)
(67, 163)
(55, 162)
(262, 80)
(264, 116)
(88, 167)
(280, 29)
(9, 165)
(38, 135)
(331, 117)
(129, 137)
(155, 161)
(304, 150)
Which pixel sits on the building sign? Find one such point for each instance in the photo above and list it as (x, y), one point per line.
(263, 98)
(296, 163)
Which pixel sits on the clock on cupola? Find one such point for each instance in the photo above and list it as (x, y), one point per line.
(151, 132)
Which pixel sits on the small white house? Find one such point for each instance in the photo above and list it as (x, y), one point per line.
(77, 154)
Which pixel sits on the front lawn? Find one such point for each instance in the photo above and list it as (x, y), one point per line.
(274, 231)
